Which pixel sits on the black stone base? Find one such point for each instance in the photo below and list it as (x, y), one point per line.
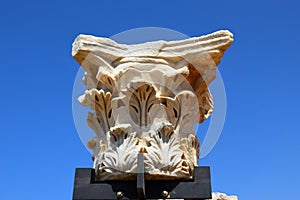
(87, 188)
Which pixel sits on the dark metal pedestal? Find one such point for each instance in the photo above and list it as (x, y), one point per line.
(87, 188)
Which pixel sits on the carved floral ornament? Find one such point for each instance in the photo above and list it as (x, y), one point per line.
(146, 98)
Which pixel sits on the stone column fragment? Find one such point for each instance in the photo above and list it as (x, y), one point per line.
(146, 98)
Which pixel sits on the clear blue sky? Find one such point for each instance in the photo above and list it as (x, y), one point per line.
(257, 156)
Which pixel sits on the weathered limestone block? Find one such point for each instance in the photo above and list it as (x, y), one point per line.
(146, 98)
(222, 196)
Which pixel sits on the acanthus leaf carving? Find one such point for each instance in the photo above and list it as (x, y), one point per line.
(140, 99)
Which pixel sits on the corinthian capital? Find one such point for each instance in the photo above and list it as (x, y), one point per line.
(146, 98)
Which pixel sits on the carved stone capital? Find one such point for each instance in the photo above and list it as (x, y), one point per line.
(146, 98)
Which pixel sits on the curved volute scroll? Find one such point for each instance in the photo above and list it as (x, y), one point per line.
(146, 98)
